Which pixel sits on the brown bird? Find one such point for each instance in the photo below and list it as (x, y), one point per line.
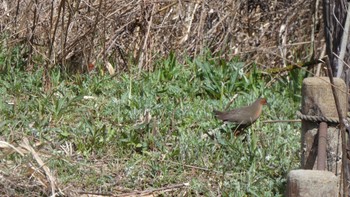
(244, 116)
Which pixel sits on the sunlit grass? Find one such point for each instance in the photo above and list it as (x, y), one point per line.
(150, 131)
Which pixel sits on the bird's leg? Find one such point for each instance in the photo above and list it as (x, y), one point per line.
(212, 133)
(239, 129)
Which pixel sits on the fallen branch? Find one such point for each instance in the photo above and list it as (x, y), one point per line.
(168, 188)
(162, 189)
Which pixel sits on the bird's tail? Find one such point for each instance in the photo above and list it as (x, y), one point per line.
(220, 115)
(216, 112)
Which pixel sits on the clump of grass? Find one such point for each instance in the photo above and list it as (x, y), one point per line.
(139, 133)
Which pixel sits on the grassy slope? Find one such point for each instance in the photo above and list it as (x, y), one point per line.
(106, 143)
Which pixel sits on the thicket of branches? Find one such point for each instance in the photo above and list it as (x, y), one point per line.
(75, 34)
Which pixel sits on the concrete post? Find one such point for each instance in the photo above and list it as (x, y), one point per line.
(318, 100)
(311, 183)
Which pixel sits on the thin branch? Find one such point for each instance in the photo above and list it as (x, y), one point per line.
(344, 42)
(277, 121)
(345, 170)
(231, 101)
(143, 49)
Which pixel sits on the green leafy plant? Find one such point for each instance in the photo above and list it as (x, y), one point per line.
(152, 130)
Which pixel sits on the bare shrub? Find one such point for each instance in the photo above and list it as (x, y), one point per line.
(76, 34)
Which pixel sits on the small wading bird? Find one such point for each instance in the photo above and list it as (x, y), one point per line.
(242, 117)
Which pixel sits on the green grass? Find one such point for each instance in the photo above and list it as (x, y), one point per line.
(105, 141)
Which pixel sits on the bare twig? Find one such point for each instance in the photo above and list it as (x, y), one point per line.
(231, 101)
(345, 170)
(151, 191)
(47, 171)
(145, 40)
(277, 121)
(168, 188)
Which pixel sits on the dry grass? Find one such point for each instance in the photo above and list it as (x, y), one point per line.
(82, 34)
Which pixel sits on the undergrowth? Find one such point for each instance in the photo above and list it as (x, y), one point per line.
(132, 133)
